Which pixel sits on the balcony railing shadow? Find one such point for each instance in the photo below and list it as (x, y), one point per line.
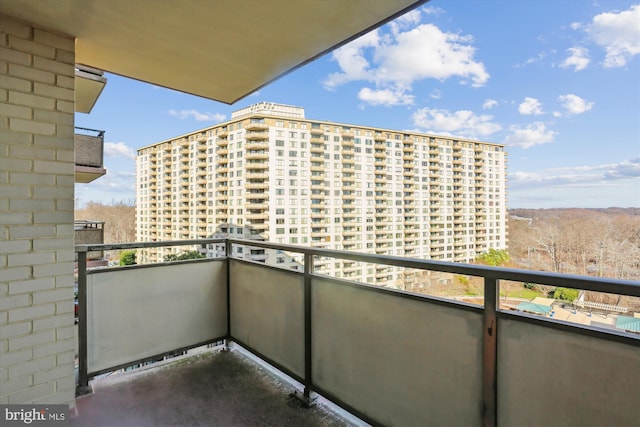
(389, 357)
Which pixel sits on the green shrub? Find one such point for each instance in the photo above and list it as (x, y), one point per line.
(495, 257)
(128, 257)
(565, 294)
(183, 256)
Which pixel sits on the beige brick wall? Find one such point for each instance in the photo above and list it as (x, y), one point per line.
(37, 343)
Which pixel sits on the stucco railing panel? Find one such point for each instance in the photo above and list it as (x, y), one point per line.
(554, 377)
(401, 361)
(267, 313)
(136, 313)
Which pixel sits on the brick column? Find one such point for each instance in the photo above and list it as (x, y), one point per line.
(37, 343)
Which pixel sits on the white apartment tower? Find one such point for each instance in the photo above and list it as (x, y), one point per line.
(271, 174)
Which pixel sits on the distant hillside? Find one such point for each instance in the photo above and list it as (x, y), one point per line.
(542, 213)
(598, 242)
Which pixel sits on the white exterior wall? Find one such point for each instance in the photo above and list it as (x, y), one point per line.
(411, 195)
(37, 341)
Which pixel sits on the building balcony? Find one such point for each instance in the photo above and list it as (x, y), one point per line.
(256, 156)
(256, 126)
(256, 145)
(256, 165)
(379, 138)
(252, 216)
(408, 149)
(256, 185)
(256, 136)
(256, 175)
(451, 363)
(89, 155)
(258, 226)
(349, 160)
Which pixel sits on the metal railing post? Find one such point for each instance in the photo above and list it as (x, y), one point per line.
(489, 352)
(306, 395)
(308, 269)
(227, 253)
(83, 373)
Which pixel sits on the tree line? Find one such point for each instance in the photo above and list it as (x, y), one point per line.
(603, 243)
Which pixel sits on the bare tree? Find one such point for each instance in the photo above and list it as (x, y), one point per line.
(119, 219)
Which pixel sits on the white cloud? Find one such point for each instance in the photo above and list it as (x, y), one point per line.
(352, 61)
(410, 18)
(573, 105)
(489, 104)
(119, 150)
(198, 116)
(577, 174)
(435, 94)
(406, 53)
(462, 123)
(431, 10)
(578, 59)
(529, 136)
(385, 97)
(537, 58)
(619, 34)
(530, 106)
(575, 25)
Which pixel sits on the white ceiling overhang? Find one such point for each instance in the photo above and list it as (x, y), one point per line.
(222, 50)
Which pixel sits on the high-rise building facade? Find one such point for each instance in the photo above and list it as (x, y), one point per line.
(271, 174)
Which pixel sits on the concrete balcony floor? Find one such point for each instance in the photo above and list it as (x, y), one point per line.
(212, 388)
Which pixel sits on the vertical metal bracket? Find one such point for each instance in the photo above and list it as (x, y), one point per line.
(490, 352)
(227, 252)
(83, 376)
(308, 269)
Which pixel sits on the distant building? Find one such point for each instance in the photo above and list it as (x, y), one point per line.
(271, 174)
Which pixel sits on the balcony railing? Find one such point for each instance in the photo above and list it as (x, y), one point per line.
(89, 155)
(390, 357)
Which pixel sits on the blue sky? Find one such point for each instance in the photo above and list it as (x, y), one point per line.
(558, 82)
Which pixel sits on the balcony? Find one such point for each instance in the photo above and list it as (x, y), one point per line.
(89, 155)
(413, 360)
(256, 136)
(256, 125)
